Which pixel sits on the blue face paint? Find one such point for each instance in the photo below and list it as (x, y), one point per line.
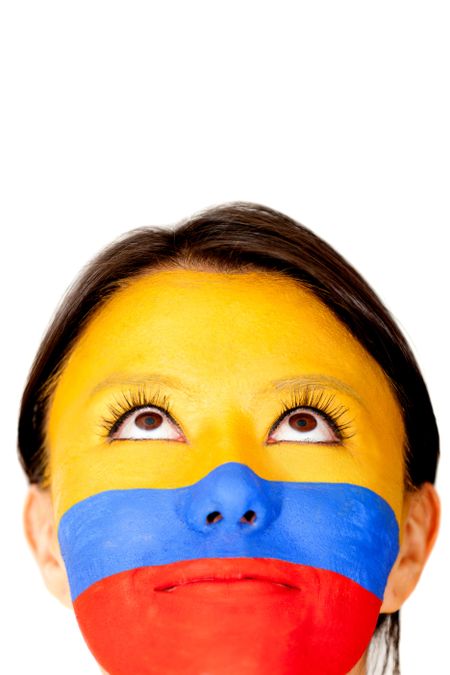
(118, 530)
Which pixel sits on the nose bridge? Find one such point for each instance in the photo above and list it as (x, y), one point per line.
(229, 430)
(231, 497)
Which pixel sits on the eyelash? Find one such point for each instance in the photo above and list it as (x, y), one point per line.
(131, 401)
(312, 398)
(321, 403)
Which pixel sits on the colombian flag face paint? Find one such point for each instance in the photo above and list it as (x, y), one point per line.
(226, 471)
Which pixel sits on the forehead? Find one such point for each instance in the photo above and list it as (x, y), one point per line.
(221, 323)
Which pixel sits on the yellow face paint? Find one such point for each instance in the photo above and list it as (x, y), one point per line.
(215, 345)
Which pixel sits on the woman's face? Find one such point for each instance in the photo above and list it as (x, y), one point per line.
(227, 478)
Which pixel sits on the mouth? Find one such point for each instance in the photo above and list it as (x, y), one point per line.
(229, 580)
(243, 572)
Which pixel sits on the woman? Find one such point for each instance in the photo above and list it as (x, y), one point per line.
(231, 453)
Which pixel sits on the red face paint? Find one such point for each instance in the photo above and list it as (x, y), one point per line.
(320, 623)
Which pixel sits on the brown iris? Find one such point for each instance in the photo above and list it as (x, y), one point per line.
(303, 421)
(148, 421)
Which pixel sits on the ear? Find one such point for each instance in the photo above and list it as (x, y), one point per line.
(420, 525)
(40, 531)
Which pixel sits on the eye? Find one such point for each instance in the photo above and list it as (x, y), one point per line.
(304, 426)
(147, 423)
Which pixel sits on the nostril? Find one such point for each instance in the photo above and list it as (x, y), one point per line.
(248, 517)
(213, 517)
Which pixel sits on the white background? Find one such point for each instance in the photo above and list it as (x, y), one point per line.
(122, 114)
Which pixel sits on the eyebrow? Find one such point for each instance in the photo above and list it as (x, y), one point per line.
(315, 380)
(294, 382)
(143, 380)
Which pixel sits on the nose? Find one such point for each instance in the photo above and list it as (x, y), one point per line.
(232, 497)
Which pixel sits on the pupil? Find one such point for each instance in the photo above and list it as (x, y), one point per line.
(303, 422)
(148, 421)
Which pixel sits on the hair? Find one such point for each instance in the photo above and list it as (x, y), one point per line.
(238, 237)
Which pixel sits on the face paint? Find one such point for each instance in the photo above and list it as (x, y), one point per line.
(243, 515)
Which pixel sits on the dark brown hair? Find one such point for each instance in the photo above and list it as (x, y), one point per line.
(234, 237)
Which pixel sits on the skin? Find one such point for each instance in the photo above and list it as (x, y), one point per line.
(224, 405)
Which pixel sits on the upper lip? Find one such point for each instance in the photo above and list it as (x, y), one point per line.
(231, 570)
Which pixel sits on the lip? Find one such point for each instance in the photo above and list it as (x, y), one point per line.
(228, 571)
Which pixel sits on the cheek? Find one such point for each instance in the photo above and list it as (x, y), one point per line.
(157, 589)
